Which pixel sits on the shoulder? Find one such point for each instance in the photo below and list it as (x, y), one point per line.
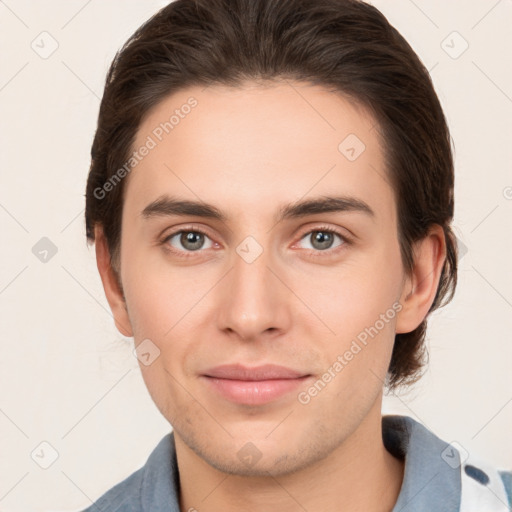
(484, 485)
(152, 487)
(506, 476)
(123, 497)
(457, 480)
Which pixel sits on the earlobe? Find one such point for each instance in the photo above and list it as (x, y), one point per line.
(420, 288)
(111, 285)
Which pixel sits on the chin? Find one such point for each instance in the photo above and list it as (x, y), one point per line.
(254, 455)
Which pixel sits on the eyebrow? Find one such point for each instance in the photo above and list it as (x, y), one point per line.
(166, 206)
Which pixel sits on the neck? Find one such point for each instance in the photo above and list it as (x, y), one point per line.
(359, 475)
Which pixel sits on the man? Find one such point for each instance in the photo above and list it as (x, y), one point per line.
(270, 194)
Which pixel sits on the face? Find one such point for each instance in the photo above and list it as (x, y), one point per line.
(315, 290)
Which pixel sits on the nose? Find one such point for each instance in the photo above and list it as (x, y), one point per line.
(254, 301)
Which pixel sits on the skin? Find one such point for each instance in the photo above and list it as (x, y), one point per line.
(249, 151)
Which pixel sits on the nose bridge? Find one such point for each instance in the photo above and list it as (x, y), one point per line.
(254, 301)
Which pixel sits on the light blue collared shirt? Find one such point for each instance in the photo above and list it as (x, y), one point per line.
(430, 484)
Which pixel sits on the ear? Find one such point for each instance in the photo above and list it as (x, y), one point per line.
(420, 288)
(113, 289)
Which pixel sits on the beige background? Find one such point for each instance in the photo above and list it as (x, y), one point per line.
(68, 378)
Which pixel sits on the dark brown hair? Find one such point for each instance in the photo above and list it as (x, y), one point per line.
(345, 45)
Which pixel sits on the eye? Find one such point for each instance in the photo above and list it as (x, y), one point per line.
(189, 240)
(322, 239)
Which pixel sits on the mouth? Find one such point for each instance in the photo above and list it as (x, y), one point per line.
(253, 386)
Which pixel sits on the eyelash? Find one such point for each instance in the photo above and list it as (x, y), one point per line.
(316, 253)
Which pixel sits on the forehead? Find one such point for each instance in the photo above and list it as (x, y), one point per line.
(257, 145)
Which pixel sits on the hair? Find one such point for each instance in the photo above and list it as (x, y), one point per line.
(346, 45)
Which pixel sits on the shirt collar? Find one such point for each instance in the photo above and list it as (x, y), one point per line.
(429, 482)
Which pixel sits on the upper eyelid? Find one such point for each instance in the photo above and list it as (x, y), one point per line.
(187, 229)
(336, 231)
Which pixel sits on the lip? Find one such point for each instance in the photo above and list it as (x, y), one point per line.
(253, 386)
(264, 372)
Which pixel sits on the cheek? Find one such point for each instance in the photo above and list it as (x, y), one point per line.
(167, 306)
(359, 305)
(353, 297)
(159, 295)
(163, 313)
